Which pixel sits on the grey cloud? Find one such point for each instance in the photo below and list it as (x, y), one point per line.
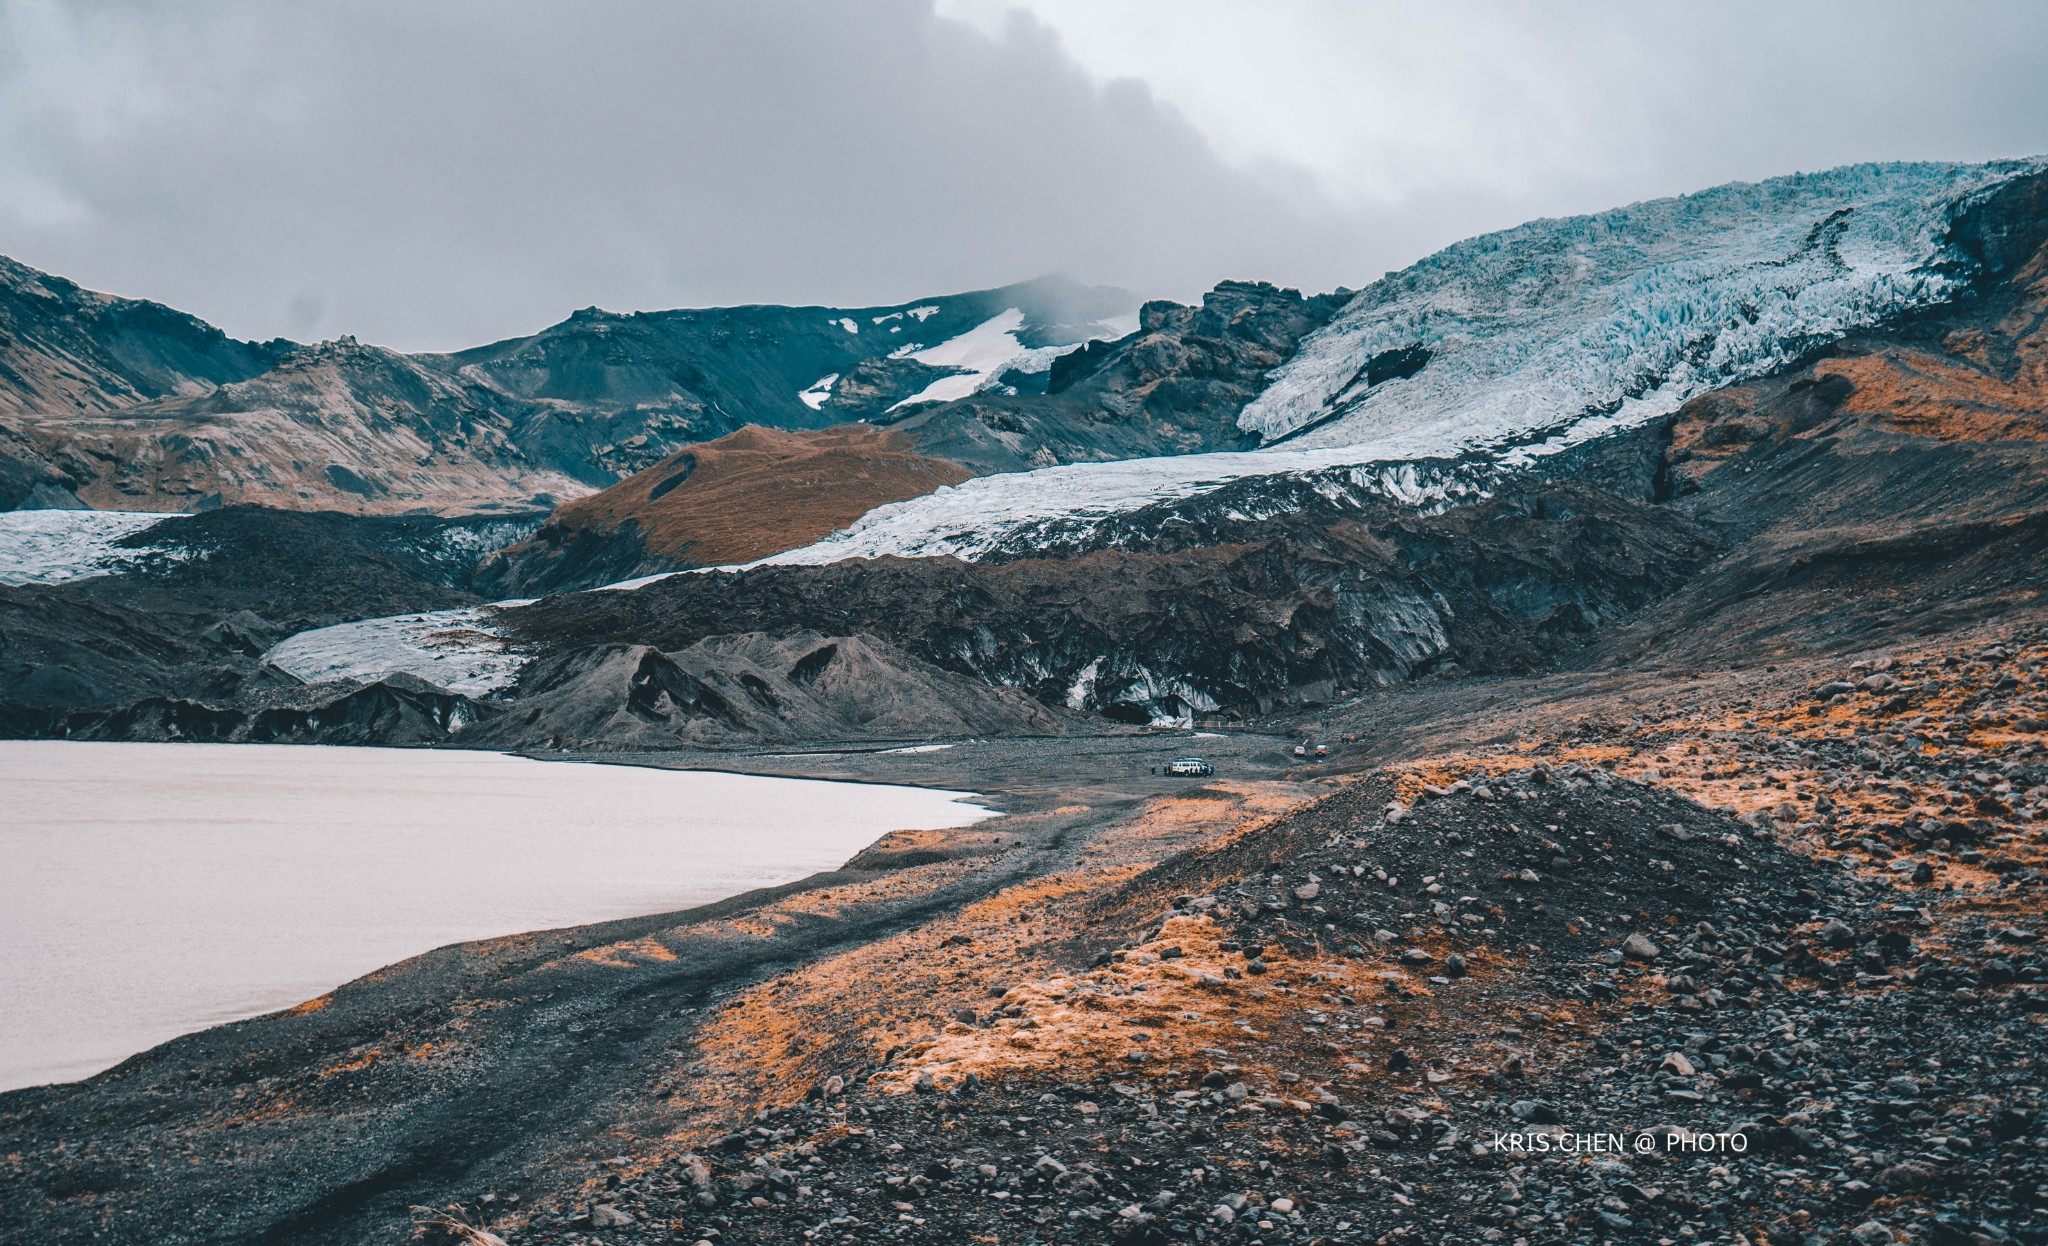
(434, 175)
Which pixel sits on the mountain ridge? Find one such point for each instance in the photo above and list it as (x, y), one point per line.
(119, 404)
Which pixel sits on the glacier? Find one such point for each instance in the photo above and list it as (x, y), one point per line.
(459, 650)
(1537, 339)
(59, 546)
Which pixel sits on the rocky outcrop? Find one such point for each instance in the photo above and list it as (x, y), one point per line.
(747, 495)
(737, 688)
(1174, 387)
(1314, 608)
(171, 648)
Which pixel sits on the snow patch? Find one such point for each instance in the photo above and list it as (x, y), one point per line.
(848, 323)
(988, 351)
(57, 547)
(820, 390)
(459, 650)
(919, 314)
(921, 748)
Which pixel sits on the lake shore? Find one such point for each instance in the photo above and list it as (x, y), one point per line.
(155, 889)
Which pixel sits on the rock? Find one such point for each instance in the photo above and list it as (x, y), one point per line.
(1399, 1061)
(1636, 947)
(1048, 1168)
(1871, 1233)
(1416, 956)
(1837, 933)
(965, 1016)
(606, 1216)
(1222, 1214)
(1675, 1062)
(925, 1084)
(1672, 830)
(1910, 1175)
(1454, 966)
(1535, 1111)
(1307, 892)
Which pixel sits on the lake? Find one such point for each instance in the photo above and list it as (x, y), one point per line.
(149, 890)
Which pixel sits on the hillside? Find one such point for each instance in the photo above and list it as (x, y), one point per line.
(122, 405)
(745, 496)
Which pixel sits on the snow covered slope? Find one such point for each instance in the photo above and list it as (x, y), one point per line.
(1510, 346)
(459, 650)
(56, 547)
(994, 348)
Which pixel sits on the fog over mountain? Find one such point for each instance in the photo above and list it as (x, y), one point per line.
(428, 177)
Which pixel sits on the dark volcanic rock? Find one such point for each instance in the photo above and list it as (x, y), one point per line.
(171, 650)
(1306, 613)
(1175, 386)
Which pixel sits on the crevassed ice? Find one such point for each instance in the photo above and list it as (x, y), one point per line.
(1541, 337)
(1630, 311)
(59, 546)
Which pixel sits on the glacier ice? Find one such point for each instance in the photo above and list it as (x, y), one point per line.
(1538, 338)
(58, 546)
(1625, 313)
(459, 650)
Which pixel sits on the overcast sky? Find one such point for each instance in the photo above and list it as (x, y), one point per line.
(433, 175)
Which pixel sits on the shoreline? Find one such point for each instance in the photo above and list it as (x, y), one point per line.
(253, 880)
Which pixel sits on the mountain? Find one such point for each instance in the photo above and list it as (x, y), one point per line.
(65, 349)
(1878, 454)
(1257, 590)
(123, 405)
(1436, 381)
(1175, 386)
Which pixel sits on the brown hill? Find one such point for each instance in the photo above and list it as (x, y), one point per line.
(747, 495)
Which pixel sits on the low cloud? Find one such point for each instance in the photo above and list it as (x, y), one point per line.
(436, 175)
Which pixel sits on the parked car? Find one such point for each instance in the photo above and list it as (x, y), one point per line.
(1190, 767)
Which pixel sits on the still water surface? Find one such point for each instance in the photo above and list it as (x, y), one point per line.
(148, 890)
